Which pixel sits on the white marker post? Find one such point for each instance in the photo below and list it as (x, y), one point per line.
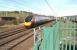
(39, 28)
(34, 35)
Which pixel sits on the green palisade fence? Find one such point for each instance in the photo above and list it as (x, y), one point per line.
(62, 36)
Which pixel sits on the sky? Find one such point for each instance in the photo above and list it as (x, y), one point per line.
(58, 7)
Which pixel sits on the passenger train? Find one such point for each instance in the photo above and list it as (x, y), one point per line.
(32, 21)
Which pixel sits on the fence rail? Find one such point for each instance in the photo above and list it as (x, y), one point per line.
(62, 36)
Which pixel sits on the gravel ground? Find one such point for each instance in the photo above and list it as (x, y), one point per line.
(6, 27)
(27, 44)
(9, 27)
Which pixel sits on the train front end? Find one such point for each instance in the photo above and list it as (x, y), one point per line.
(28, 22)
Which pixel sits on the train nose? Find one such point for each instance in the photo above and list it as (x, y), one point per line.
(27, 23)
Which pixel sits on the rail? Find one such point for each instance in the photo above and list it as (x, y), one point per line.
(8, 40)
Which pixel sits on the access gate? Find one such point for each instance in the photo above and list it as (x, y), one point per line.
(61, 36)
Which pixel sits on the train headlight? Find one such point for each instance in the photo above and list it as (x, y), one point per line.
(27, 23)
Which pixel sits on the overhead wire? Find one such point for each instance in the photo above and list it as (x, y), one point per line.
(20, 5)
(4, 6)
(50, 7)
(17, 4)
(9, 7)
(23, 4)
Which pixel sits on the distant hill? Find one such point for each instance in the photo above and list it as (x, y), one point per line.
(14, 13)
(72, 16)
(17, 14)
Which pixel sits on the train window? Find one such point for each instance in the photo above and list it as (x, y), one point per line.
(28, 19)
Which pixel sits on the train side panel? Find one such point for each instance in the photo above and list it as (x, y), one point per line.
(36, 20)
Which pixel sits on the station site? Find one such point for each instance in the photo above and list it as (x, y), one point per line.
(39, 32)
(38, 24)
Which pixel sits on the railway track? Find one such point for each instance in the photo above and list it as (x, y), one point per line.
(14, 40)
(6, 34)
(11, 39)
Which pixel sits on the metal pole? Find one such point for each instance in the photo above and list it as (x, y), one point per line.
(34, 35)
(39, 28)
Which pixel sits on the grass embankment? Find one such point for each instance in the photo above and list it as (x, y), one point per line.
(7, 27)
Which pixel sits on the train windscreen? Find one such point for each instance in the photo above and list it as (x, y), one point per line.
(28, 19)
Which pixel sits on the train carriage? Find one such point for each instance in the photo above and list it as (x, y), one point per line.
(32, 21)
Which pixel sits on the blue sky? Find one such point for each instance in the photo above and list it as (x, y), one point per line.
(61, 7)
